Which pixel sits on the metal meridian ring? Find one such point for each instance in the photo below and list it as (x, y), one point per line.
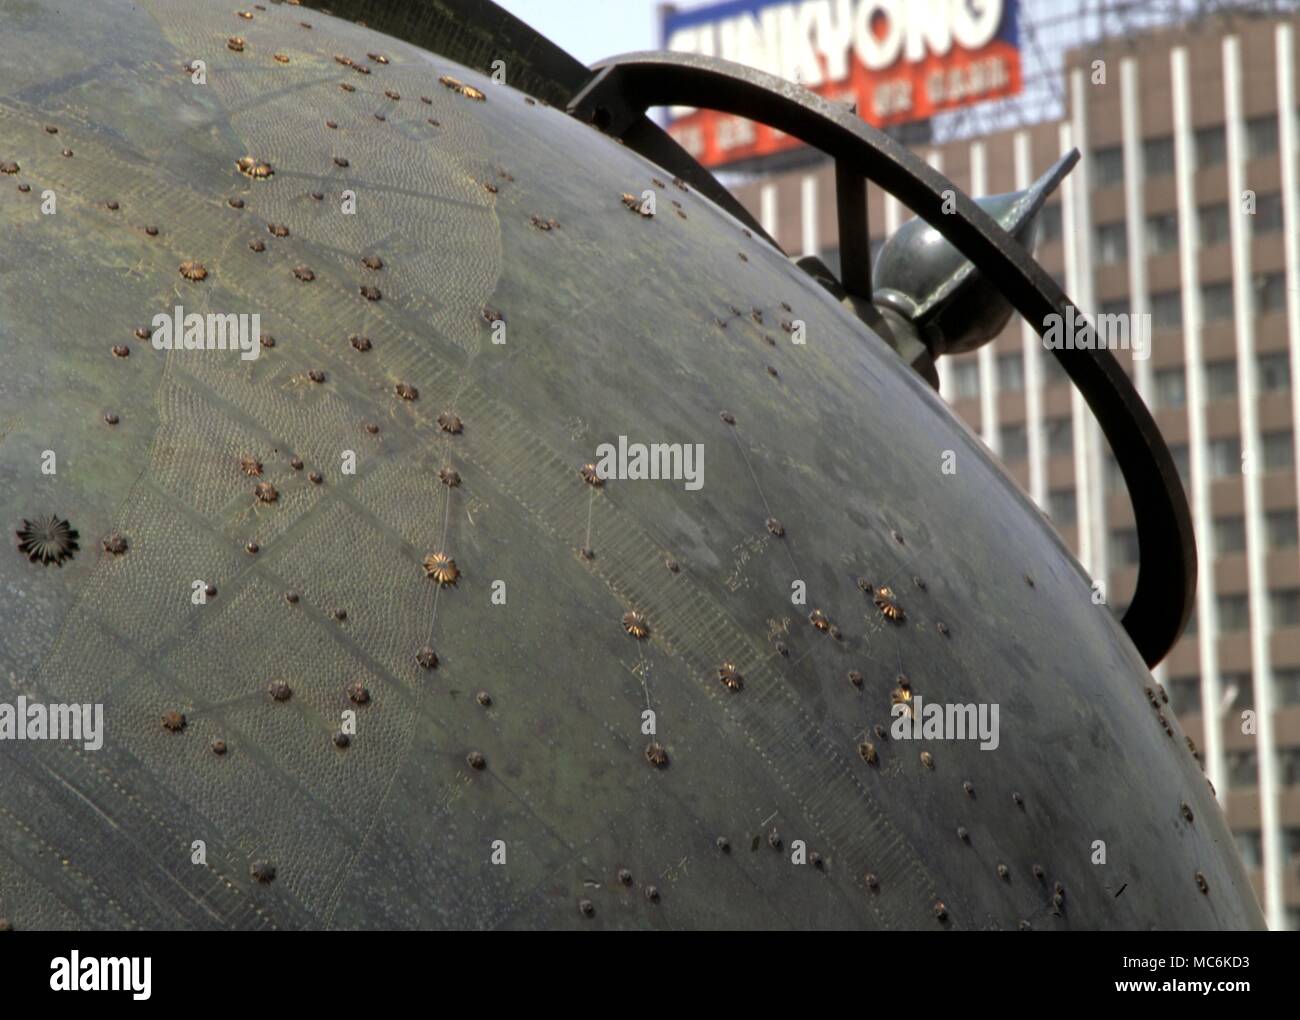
(622, 88)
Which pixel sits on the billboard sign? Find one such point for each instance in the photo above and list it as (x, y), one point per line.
(897, 60)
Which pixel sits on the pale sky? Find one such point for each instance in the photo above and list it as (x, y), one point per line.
(593, 29)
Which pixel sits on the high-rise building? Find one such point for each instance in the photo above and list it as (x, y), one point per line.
(1183, 214)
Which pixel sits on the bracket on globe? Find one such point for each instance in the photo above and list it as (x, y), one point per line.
(615, 100)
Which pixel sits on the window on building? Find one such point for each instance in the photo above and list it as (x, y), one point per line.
(1158, 156)
(1211, 145)
(1107, 166)
(1013, 442)
(1270, 292)
(1282, 529)
(1229, 535)
(1060, 435)
(1115, 306)
(1011, 372)
(1242, 768)
(1234, 612)
(1261, 136)
(1288, 761)
(1249, 846)
(1167, 309)
(1171, 387)
(966, 379)
(1123, 547)
(1221, 380)
(1224, 456)
(1049, 223)
(1268, 213)
(1161, 233)
(1062, 506)
(1212, 224)
(1284, 608)
(1286, 686)
(1111, 241)
(1279, 450)
(1182, 461)
(1237, 690)
(1273, 372)
(1291, 848)
(1216, 301)
(1185, 694)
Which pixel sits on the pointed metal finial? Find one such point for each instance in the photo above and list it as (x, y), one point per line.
(927, 290)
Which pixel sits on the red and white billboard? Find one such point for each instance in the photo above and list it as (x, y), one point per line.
(898, 60)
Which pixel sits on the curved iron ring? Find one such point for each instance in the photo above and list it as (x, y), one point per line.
(623, 88)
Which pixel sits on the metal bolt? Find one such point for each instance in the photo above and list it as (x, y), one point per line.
(263, 871)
